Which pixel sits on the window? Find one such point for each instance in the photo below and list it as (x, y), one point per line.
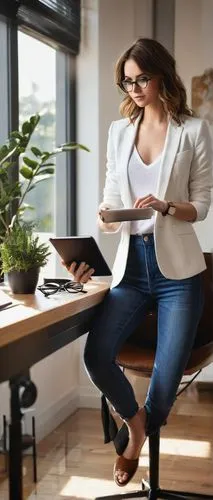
(40, 62)
(37, 94)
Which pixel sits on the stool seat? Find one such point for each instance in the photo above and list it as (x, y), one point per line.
(141, 360)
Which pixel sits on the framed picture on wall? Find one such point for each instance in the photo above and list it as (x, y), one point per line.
(202, 96)
(202, 99)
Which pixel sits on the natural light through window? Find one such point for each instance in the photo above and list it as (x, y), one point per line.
(185, 447)
(178, 447)
(37, 94)
(89, 488)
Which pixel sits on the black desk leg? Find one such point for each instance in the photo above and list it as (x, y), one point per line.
(18, 399)
(15, 441)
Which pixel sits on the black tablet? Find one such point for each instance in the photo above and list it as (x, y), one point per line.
(82, 249)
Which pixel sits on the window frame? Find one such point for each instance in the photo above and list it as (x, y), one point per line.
(56, 20)
(65, 213)
(65, 131)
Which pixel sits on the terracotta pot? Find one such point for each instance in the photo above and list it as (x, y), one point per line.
(24, 281)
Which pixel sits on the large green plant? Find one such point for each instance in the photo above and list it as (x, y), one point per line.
(33, 168)
(21, 249)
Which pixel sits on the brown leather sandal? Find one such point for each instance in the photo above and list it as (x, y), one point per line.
(125, 465)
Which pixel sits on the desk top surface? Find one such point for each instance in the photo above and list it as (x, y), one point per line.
(30, 313)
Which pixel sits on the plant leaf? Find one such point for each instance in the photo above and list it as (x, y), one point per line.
(36, 151)
(34, 119)
(26, 172)
(16, 134)
(3, 150)
(72, 145)
(47, 165)
(9, 164)
(26, 128)
(21, 249)
(45, 155)
(46, 171)
(30, 163)
(8, 155)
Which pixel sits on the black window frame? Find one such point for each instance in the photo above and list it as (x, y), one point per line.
(57, 21)
(69, 126)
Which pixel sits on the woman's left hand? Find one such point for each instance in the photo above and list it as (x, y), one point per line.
(149, 201)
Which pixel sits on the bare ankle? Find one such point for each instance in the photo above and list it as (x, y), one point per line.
(138, 420)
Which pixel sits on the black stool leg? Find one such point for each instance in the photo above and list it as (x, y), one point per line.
(34, 451)
(154, 450)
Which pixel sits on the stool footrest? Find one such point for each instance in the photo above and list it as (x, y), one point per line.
(158, 493)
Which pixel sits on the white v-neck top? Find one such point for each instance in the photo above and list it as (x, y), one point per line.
(143, 181)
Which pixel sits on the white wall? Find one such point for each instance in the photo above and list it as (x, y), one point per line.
(193, 29)
(193, 53)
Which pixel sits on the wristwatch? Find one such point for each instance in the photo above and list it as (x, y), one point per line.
(171, 209)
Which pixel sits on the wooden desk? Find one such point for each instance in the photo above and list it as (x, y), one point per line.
(33, 328)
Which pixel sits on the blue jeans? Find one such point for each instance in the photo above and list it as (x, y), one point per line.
(179, 305)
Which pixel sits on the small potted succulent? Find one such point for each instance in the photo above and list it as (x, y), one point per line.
(22, 256)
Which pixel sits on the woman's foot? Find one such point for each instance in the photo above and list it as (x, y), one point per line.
(128, 469)
(137, 436)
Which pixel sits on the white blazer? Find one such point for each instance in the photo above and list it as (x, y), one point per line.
(185, 175)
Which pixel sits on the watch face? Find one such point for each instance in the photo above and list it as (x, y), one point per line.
(172, 210)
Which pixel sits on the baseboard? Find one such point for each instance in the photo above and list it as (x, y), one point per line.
(48, 420)
(89, 397)
(204, 386)
(206, 374)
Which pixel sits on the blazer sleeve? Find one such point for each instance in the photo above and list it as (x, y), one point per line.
(201, 173)
(112, 196)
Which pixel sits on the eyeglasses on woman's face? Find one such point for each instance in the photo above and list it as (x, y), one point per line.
(142, 82)
(50, 288)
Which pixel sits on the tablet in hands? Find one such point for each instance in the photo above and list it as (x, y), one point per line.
(81, 249)
(125, 214)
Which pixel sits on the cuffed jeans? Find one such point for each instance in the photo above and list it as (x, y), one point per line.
(179, 305)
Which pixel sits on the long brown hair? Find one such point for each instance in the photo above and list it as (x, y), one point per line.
(153, 58)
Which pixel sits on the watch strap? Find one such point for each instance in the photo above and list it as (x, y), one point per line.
(170, 204)
(167, 209)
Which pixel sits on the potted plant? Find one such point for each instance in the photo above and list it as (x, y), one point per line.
(22, 257)
(34, 166)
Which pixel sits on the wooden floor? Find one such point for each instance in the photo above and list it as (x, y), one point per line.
(73, 462)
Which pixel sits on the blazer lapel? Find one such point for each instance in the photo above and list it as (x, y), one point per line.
(170, 150)
(129, 140)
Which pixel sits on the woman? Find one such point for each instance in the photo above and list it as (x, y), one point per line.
(159, 156)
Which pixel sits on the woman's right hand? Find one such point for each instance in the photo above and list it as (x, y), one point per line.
(81, 273)
(108, 227)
